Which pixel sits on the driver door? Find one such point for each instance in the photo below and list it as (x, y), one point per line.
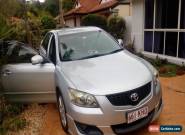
(24, 82)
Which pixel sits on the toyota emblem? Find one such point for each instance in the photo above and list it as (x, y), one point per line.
(134, 97)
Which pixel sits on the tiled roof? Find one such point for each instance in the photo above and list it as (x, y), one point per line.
(105, 5)
(90, 6)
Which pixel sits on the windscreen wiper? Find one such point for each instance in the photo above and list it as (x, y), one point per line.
(91, 56)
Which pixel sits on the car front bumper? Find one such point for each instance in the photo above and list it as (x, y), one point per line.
(111, 120)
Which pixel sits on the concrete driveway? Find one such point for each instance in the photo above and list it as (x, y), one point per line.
(172, 114)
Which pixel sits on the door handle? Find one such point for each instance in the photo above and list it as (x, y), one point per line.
(6, 72)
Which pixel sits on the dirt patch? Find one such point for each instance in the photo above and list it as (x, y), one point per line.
(51, 124)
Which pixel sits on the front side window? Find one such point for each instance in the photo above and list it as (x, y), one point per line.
(86, 45)
(20, 54)
(52, 50)
(45, 42)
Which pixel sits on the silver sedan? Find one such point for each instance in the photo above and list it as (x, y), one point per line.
(100, 87)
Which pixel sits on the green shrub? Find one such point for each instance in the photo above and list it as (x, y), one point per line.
(14, 124)
(94, 20)
(116, 26)
(5, 29)
(48, 22)
(10, 119)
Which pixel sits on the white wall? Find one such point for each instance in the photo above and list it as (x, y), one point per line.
(70, 22)
(127, 36)
(138, 24)
(124, 10)
(78, 23)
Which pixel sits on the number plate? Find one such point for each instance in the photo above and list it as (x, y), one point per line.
(136, 115)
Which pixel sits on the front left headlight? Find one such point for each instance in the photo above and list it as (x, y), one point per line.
(82, 99)
(156, 78)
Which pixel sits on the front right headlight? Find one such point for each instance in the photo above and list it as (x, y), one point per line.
(82, 99)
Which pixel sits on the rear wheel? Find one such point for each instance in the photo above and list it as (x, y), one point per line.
(62, 111)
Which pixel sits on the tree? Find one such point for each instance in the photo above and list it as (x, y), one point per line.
(95, 20)
(48, 22)
(116, 26)
(9, 8)
(5, 29)
(67, 5)
(52, 6)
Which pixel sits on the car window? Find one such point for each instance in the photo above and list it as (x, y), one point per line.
(52, 50)
(20, 54)
(45, 42)
(86, 44)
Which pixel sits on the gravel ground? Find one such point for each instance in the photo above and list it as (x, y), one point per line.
(35, 117)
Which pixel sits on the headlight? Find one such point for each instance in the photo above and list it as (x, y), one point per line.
(82, 99)
(156, 77)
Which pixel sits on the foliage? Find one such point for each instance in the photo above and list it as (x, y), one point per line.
(52, 6)
(48, 22)
(165, 68)
(5, 29)
(10, 119)
(35, 8)
(13, 124)
(117, 26)
(67, 5)
(9, 8)
(94, 20)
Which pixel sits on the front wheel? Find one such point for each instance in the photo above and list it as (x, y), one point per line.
(62, 111)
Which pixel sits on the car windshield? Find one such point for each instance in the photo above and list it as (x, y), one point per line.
(86, 45)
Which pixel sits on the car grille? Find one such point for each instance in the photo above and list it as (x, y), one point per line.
(124, 98)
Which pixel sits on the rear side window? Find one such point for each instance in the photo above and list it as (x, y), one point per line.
(45, 42)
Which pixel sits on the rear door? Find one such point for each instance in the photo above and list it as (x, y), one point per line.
(24, 82)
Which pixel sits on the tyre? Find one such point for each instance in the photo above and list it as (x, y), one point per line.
(62, 111)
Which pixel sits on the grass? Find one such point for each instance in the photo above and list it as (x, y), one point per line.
(10, 117)
(12, 124)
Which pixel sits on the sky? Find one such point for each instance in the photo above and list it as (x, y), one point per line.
(39, 0)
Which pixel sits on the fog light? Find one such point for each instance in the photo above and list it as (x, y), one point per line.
(88, 129)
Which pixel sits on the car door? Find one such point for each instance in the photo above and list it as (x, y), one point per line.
(24, 82)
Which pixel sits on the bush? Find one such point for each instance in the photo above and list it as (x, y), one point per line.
(5, 29)
(10, 119)
(116, 26)
(48, 22)
(94, 20)
(14, 124)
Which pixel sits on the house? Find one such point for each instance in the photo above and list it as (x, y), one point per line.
(103, 7)
(158, 28)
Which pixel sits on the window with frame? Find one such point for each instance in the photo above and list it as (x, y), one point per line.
(165, 27)
(52, 50)
(45, 42)
(20, 54)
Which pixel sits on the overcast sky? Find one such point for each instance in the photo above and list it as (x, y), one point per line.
(39, 0)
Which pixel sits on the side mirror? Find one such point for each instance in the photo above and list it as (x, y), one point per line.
(37, 59)
(120, 42)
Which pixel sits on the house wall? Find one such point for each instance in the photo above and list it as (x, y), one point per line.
(78, 21)
(138, 24)
(69, 22)
(127, 35)
(137, 34)
(124, 10)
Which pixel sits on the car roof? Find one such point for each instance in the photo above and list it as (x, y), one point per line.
(67, 31)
